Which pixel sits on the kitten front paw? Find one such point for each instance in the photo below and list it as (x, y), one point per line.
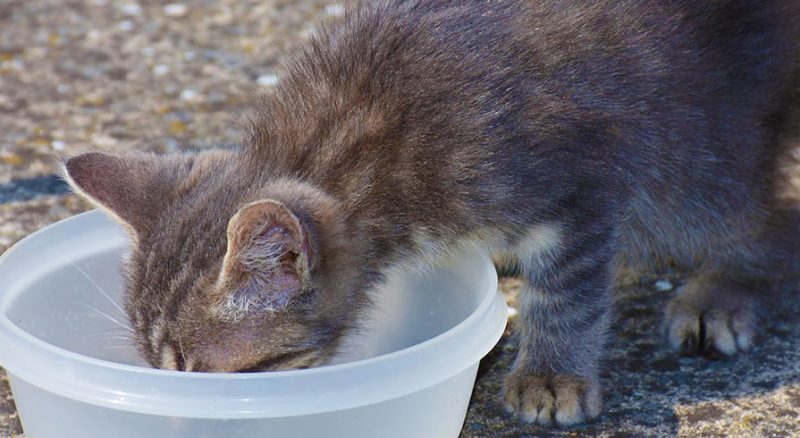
(544, 398)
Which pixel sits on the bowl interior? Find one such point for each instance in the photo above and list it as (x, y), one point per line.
(63, 330)
(72, 299)
(78, 306)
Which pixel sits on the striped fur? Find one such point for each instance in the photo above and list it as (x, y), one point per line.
(574, 140)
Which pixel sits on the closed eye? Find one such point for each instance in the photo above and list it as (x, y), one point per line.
(289, 360)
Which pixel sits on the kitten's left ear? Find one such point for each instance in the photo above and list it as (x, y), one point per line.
(131, 187)
(269, 258)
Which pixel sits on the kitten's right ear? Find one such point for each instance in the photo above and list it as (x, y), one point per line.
(124, 186)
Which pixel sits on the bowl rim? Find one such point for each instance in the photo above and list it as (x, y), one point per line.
(485, 321)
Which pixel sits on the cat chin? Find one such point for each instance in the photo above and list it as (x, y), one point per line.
(352, 347)
(363, 340)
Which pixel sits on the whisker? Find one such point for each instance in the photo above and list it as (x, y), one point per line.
(112, 337)
(95, 309)
(117, 347)
(103, 292)
(119, 331)
(110, 331)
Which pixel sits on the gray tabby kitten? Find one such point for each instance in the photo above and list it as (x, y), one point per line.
(569, 138)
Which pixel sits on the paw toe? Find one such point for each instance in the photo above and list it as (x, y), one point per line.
(537, 404)
(683, 329)
(719, 337)
(568, 403)
(542, 399)
(744, 341)
(744, 329)
(696, 328)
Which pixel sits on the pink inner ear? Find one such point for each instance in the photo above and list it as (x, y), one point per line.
(274, 288)
(285, 278)
(276, 233)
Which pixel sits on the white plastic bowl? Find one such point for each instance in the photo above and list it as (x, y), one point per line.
(72, 375)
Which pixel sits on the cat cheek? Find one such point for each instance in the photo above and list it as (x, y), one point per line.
(226, 351)
(256, 296)
(273, 294)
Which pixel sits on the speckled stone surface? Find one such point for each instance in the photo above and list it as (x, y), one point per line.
(650, 391)
(80, 75)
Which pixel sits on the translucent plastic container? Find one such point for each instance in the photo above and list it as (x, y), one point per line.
(74, 374)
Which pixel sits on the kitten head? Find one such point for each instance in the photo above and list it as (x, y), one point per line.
(230, 270)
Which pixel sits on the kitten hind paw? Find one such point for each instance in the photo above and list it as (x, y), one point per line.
(698, 323)
(542, 399)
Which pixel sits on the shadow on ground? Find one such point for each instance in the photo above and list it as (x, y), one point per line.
(651, 391)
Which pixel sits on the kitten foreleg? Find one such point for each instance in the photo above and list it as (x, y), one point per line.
(564, 315)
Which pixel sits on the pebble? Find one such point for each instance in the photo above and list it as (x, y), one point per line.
(248, 46)
(189, 95)
(176, 10)
(11, 158)
(160, 69)
(53, 40)
(6, 103)
(217, 97)
(171, 145)
(91, 100)
(663, 285)
(177, 127)
(93, 35)
(103, 141)
(14, 64)
(512, 312)
(132, 9)
(91, 72)
(58, 145)
(269, 80)
(125, 25)
(225, 16)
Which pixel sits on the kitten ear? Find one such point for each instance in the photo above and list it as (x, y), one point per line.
(269, 256)
(129, 186)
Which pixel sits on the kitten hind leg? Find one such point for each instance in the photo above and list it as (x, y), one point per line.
(713, 316)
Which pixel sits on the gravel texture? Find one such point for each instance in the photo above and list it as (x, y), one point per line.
(650, 391)
(79, 75)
